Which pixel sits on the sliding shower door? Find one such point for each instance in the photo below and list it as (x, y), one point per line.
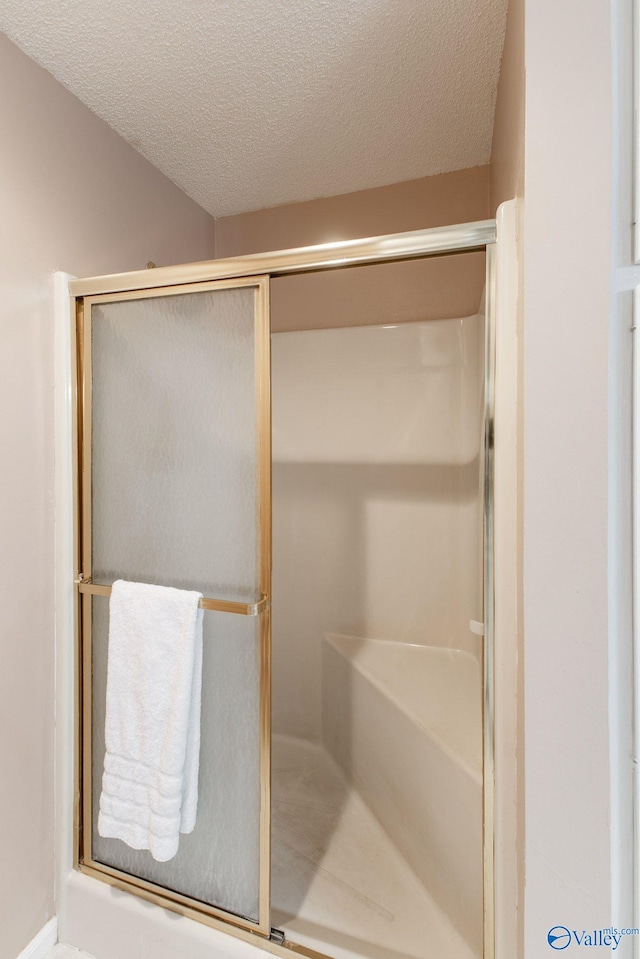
(174, 489)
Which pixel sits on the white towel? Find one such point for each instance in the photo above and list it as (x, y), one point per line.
(152, 732)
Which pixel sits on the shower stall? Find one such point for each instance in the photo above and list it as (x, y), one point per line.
(346, 766)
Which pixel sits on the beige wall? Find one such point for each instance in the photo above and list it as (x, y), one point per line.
(74, 197)
(567, 263)
(419, 290)
(507, 149)
(413, 205)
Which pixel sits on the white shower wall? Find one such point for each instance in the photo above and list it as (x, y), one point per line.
(376, 495)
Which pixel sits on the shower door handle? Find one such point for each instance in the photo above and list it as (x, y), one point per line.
(218, 605)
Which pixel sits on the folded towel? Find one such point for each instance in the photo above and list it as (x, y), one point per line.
(152, 731)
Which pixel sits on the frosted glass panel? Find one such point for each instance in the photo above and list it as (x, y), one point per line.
(174, 497)
(218, 862)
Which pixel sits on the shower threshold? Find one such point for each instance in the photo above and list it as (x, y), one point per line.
(339, 884)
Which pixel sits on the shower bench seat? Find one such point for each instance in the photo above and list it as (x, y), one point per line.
(404, 724)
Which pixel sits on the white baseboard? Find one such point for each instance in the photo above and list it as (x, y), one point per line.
(41, 944)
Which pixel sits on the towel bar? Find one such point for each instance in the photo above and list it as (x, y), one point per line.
(218, 605)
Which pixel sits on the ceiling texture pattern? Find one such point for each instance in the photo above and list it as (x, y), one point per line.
(248, 104)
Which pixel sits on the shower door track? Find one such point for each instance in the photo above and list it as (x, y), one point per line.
(419, 244)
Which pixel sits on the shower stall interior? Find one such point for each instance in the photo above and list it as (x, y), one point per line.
(377, 605)
(323, 476)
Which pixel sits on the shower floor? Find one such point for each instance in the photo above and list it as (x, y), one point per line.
(339, 884)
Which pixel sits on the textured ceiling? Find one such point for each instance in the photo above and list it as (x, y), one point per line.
(253, 103)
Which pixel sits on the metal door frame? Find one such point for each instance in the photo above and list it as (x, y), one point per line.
(87, 589)
(255, 270)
